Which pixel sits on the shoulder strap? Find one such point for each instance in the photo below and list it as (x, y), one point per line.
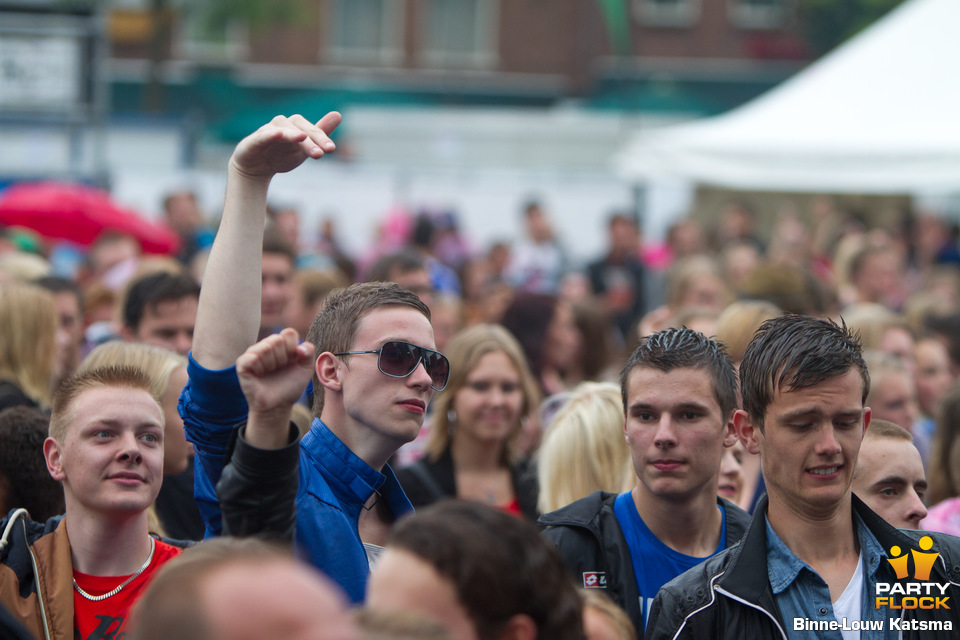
(15, 515)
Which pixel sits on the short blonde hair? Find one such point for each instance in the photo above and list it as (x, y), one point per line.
(886, 429)
(70, 390)
(682, 276)
(584, 449)
(464, 352)
(739, 321)
(156, 363)
(23, 267)
(871, 321)
(28, 349)
(617, 617)
(879, 365)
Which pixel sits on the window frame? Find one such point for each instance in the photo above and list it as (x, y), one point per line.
(650, 13)
(391, 49)
(486, 33)
(747, 14)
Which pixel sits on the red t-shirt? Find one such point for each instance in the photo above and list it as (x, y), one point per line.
(512, 507)
(105, 620)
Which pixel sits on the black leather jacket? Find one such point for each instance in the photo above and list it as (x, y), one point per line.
(729, 595)
(257, 489)
(588, 537)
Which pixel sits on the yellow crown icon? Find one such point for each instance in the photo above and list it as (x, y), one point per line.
(922, 562)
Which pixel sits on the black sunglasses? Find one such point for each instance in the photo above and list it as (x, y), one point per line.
(400, 359)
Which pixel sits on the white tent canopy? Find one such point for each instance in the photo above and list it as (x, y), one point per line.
(880, 114)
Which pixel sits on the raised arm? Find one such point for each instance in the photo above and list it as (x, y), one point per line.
(229, 313)
(258, 487)
(212, 403)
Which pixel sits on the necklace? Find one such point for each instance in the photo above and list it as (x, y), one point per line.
(143, 567)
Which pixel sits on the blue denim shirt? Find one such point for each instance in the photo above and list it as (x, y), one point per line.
(801, 593)
(333, 484)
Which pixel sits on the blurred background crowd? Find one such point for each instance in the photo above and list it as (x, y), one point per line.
(474, 170)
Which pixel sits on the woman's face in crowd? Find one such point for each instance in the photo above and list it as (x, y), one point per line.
(488, 405)
(731, 472)
(933, 375)
(563, 338)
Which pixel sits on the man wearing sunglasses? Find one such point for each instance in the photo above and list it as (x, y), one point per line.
(374, 370)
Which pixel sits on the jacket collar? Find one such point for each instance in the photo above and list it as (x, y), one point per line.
(583, 512)
(351, 479)
(748, 578)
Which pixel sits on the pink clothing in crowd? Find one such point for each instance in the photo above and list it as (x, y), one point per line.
(943, 517)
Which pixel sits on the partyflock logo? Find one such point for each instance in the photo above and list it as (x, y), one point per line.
(910, 592)
(918, 593)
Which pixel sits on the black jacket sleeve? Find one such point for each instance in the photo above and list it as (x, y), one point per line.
(258, 489)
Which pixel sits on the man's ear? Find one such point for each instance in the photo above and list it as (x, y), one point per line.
(730, 435)
(327, 369)
(53, 456)
(519, 627)
(867, 416)
(747, 430)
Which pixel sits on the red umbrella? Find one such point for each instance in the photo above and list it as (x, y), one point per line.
(79, 213)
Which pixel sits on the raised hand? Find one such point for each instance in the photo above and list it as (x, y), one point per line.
(273, 374)
(284, 144)
(228, 318)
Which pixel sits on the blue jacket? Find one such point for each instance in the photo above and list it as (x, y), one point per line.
(333, 483)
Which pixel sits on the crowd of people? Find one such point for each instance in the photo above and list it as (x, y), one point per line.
(732, 434)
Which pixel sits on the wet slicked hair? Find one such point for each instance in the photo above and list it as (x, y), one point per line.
(796, 352)
(335, 327)
(685, 349)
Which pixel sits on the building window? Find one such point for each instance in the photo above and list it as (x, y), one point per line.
(458, 33)
(366, 31)
(667, 13)
(758, 14)
(200, 38)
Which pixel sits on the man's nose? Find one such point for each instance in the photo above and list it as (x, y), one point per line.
(420, 377)
(666, 434)
(129, 448)
(917, 511)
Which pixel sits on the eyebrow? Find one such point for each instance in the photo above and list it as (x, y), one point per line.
(900, 481)
(897, 480)
(386, 340)
(109, 422)
(813, 411)
(684, 406)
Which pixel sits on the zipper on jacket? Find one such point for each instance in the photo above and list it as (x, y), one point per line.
(36, 573)
(751, 605)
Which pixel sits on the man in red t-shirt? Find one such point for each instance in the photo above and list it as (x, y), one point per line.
(106, 448)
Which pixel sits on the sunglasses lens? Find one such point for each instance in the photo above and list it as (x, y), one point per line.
(438, 367)
(399, 358)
